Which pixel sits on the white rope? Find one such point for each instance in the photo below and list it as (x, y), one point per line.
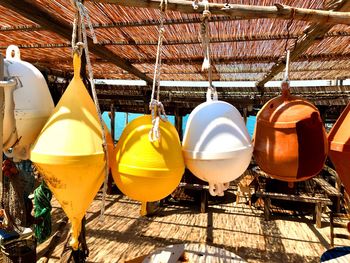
(156, 107)
(206, 50)
(84, 17)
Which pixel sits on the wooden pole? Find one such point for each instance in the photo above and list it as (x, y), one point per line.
(178, 123)
(113, 122)
(242, 11)
(2, 97)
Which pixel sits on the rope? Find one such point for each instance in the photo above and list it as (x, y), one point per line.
(82, 11)
(206, 49)
(42, 210)
(156, 107)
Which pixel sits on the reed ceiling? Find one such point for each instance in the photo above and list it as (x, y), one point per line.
(242, 49)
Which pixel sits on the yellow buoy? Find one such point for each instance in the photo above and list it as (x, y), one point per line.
(148, 171)
(69, 152)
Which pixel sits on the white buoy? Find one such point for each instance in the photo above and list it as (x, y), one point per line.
(28, 104)
(216, 145)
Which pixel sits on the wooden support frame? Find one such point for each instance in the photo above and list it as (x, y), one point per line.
(242, 11)
(314, 32)
(34, 12)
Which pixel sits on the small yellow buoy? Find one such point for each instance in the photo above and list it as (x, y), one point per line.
(148, 171)
(69, 152)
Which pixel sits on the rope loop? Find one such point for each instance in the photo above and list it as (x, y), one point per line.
(158, 114)
(156, 107)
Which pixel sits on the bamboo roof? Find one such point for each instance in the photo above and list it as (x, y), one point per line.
(242, 49)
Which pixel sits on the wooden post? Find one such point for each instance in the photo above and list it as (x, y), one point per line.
(178, 123)
(113, 122)
(245, 111)
(110, 179)
(2, 69)
(318, 213)
(204, 200)
(267, 203)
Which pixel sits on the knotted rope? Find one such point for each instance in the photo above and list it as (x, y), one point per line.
(157, 109)
(206, 49)
(79, 25)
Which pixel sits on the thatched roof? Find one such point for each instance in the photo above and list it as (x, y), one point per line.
(242, 49)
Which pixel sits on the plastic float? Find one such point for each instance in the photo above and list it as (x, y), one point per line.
(290, 142)
(216, 144)
(339, 147)
(148, 170)
(69, 152)
(28, 105)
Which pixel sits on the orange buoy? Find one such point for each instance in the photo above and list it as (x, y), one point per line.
(69, 152)
(148, 171)
(339, 147)
(290, 142)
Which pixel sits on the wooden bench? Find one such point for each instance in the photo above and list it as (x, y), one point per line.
(330, 191)
(319, 202)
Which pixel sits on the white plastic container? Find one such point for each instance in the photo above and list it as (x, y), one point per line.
(216, 145)
(27, 105)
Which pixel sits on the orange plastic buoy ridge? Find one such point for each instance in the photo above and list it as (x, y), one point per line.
(339, 147)
(148, 171)
(69, 152)
(290, 142)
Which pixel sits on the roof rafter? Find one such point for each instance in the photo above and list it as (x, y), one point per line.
(250, 38)
(39, 15)
(148, 22)
(244, 11)
(313, 32)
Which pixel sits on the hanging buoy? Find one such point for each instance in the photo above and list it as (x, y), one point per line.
(216, 144)
(148, 171)
(290, 142)
(28, 105)
(69, 152)
(339, 147)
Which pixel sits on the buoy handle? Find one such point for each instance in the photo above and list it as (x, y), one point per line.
(12, 52)
(76, 64)
(212, 95)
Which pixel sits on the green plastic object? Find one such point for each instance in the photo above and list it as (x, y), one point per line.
(42, 209)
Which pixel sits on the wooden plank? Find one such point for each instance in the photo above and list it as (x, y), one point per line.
(317, 30)
(39, 15)
(294, 198)
(243, 11)
(329, 189)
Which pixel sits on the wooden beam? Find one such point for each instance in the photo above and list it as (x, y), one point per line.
(243, 59)
(36, 13)
(244, 11)
(122, 24)
(312, 33)
(236, 39)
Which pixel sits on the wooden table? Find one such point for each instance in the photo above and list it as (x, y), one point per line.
(192, 253)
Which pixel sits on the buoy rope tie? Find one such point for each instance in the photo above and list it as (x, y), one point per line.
(206, 49)
(156, 107)
(82, 11)
(217, 189)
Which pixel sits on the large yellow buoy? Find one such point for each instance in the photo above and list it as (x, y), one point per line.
(148, 171)
(69, 152)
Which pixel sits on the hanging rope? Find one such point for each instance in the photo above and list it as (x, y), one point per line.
(82, 17)
(206, 49)
(157, 109)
